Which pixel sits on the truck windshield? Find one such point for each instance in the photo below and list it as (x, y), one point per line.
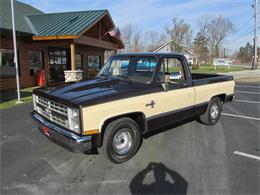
(138, 69)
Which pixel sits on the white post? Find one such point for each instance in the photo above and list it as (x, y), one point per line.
(15, 55)
(255, 49)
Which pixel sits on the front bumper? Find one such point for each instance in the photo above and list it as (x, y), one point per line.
(62, 137)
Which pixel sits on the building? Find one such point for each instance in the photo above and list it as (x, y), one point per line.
(53, 42)
(173, 46)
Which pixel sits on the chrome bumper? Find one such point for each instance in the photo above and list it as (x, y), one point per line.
(62, 137)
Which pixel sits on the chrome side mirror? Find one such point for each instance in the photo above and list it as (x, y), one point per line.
(175, 76)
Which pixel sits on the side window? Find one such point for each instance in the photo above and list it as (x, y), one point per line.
(146, 64)
(142, 69)
(172, 70)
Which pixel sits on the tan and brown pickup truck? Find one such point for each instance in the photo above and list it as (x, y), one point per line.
(133, 94)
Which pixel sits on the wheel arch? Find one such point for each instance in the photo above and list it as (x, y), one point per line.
(222, 97)
(138, 117)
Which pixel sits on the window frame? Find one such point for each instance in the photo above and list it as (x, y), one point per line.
(99, 58)
(185, 83)
(18, 61)
(33, 68)
(53, 55)
(181, 67)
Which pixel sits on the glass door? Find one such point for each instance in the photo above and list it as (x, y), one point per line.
(58, 62)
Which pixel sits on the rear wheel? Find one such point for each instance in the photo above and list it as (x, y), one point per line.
(213, 112)
(121, 140)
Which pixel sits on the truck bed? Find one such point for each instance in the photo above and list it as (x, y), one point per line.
(203, 79)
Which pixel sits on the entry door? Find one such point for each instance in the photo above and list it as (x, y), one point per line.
(176, 103)
(58, 62)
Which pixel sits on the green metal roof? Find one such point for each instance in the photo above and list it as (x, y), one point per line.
(20, 10)
(67, 23)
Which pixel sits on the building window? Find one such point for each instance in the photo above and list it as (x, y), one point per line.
(58, 62)
(34, 61)
(78, 61)
(7, 65)
(58, 56)
(94, 62)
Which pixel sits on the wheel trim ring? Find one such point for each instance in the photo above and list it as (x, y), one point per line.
(214, 111)
(122, 142)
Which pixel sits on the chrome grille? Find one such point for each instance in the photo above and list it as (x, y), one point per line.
(55, 112)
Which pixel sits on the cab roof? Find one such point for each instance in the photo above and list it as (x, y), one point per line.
(148, 54)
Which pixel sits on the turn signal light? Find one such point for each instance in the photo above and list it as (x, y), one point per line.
(91, 132)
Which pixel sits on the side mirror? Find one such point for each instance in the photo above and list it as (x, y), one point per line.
(165, 86)
(175, 76)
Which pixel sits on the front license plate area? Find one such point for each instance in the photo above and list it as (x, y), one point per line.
(45, 130)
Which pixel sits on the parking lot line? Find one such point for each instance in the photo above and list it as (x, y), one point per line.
(247, 101)
(247, 86)
(249, 92)
(246, 155)
(240, 116)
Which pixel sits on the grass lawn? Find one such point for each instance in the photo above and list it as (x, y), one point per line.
(9, 97)
(205, 68)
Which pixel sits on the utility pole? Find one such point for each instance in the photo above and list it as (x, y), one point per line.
(255, 37)
(15, 55)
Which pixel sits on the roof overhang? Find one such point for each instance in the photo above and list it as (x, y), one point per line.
(61, 37)
(84, 40)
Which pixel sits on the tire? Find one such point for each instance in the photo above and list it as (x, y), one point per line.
(213, 112)
(121, 140)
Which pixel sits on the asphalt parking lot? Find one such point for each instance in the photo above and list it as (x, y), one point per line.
(189, 159)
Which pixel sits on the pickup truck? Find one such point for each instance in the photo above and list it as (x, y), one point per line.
(133, 94)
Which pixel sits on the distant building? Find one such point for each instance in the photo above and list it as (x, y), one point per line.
(172, 46)
(53, 42)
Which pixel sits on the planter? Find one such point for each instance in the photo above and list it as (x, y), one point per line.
(73, 75)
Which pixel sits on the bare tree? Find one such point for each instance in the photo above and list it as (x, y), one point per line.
(203, 22)
(201, 49)
(180, 32)
(132, 38)
(137, 42)
(154, 40)
(218, 30)
(201, 42)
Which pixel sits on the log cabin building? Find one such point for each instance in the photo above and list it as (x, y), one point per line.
(53, 42)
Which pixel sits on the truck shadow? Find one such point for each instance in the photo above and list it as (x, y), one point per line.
(168, 127)
(166, 181)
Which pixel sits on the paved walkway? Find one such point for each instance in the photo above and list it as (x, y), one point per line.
(245, 74)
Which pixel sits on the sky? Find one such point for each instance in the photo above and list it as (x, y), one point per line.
(156, 14)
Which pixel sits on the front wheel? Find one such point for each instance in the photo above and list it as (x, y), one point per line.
(121, 140)
(213, 112)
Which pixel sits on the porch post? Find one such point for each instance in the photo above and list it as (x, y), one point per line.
(72, 56)
(73, 75)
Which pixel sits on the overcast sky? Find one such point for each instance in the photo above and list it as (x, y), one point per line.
(156, 14)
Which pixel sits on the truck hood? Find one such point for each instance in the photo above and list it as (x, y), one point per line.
(99, 90)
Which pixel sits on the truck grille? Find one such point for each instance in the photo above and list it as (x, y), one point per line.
(55, 112)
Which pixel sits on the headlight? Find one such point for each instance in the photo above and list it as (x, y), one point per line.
(34, 102)
(74, 122)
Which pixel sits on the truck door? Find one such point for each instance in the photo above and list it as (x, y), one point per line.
(177, 101)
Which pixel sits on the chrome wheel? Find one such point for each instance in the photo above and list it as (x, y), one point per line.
(122, 141)
(214, 111)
